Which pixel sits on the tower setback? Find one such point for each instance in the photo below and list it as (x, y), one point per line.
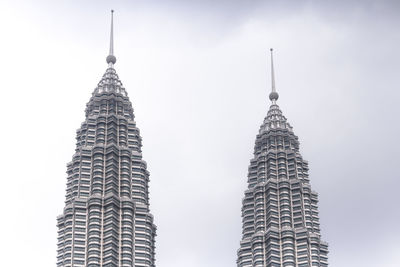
(106, 220)
(279, 213)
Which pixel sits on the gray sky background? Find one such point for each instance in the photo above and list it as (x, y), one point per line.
(197, 75)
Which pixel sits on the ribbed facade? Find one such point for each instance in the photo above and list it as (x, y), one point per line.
(106, 219)
(279, 213)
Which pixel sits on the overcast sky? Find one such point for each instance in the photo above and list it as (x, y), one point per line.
(197, 75)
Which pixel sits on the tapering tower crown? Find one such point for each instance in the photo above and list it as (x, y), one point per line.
(280, 222)
(106, 220)
(111, 59)
(273, 96)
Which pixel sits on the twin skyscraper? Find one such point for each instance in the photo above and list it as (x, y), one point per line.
(106, 220)
(279, 209)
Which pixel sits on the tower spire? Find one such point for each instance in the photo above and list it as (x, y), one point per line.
(273, 96)
(111, 59)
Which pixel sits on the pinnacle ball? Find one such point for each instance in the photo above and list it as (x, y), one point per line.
(273, 96)
(111, 59)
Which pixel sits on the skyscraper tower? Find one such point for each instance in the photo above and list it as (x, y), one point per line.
(279, 214)
(106, 219)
